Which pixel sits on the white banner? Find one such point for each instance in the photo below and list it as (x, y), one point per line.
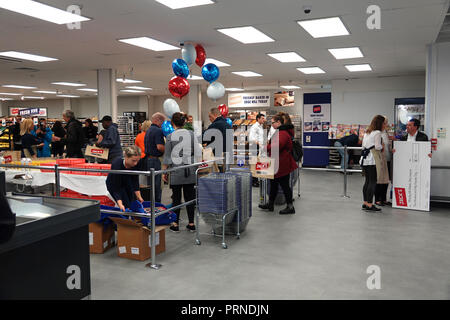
(411, 175)
(316, 117)
(249, 100)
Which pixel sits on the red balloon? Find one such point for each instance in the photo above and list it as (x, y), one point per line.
(201, 55)
(179, 87)
(223, 110)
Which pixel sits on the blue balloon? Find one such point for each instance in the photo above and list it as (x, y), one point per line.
(210, 72)
(167, 128)
(230, 122)
(180, 68)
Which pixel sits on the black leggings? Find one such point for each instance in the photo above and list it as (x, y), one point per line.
(189, 194)
(370, 172)
(284, 182)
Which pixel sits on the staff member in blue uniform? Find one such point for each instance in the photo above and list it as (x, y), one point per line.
(124, 188)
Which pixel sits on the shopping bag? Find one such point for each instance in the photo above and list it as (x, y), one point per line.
(97, 152)
(208, 155)
(11, 156)
(262, 167)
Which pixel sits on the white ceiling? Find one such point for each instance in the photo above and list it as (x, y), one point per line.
(397, 49)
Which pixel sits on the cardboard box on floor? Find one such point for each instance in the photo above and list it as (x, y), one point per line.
(134, 239)
(101, 237)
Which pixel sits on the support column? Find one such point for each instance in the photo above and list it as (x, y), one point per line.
(67, 104)
(107, 93)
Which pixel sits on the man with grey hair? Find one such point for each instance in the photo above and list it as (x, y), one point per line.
(154, 149)
(74, 138)
(218, 122)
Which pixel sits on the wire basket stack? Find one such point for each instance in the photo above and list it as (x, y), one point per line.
(217, 197)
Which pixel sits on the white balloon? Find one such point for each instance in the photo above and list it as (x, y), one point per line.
(189, 54)
(170, 107)
(215, 90)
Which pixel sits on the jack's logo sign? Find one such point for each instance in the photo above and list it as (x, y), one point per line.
(317, 109)
(262, 165)
(98, 151)
(400, 196)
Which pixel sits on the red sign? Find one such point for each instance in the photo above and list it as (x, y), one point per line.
(317, 109)
(433, 141)
(15, 111)
(262, 165)
(400, 196)
(97, 151)
(8, 159)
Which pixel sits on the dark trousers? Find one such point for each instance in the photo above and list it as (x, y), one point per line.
(155, 163)
(189, 194)
(381, 189)
(57, 149)
(370, 172)
(284, 182)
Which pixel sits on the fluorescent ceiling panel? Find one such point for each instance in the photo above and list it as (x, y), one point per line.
(69, 84)
(358, 67)
(132, 91)
(46, 92)
(41, 11)
(216, 62)
(128, 80)
(6, 99)
(178, 4)
(322, 28)
(247, 74)
(87, 90)
(25, 97)
(346, 53)
(311, 70)
(149, 43)
(246, 35)
(67, 96)
(290, 87)
(18, 86)
(26, 56)
(10, 94)
(138, 88)
(287, 57)
(234, 89)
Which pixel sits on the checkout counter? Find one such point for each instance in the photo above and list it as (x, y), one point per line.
(48, 254)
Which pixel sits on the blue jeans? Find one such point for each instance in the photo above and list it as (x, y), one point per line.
(341, 152)
(155, 164)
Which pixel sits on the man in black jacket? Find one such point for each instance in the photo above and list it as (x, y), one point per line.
(219, 123)
(74, 138)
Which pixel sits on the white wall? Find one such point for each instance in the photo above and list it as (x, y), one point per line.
(356, 101)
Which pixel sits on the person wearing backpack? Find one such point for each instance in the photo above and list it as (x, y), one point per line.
(282, 139)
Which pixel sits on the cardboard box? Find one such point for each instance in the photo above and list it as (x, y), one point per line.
(101, 238)
(133, 239)
(97, 152)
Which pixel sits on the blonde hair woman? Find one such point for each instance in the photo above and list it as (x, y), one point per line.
(29, 142)
(141, 137)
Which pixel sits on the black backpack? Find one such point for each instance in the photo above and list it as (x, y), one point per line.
(297, 150)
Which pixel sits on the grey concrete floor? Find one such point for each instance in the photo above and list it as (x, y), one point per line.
(321, 252)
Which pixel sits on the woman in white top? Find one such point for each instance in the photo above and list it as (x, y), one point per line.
(372, 140)
(382, 188)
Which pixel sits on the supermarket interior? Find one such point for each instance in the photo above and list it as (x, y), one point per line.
(224, 150)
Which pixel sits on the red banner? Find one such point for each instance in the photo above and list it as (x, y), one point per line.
(400, 196)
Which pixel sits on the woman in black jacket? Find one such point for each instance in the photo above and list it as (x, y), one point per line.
(58, 146)
(90, 131)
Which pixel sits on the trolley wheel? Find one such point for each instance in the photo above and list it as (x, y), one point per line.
(224, 246)
(198, 242)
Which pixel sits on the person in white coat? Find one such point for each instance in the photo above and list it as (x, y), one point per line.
(256, 134)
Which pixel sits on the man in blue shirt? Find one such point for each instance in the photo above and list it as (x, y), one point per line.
(111, 139)
(154, 149)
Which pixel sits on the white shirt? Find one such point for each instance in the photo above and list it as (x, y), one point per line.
(256, 134)
(369, 140)
(412, 138)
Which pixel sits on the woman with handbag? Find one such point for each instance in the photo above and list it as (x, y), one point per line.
(370, 155)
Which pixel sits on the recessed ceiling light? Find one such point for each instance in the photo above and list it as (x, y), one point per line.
(87, 90)
(321, 28)
(18, 87)
(41, 11)
(177, 4)
(128, 80)
(139, 88)
(216, 62)
(246, 34)
(194, 77)
(234, 89)
(346, 53)
(358, 67)
(10, 94)
(132, 91)
(286, 57)
(247, 74)
(67, 96)
(25, 97)
(311, 70)
(149, 43)
(290, 87)
(26, 56)
(69, 84)
(46, 92)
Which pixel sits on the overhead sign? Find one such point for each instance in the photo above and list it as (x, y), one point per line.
(317, 117)
(411, 175)
(28, 112)
(249, 100)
